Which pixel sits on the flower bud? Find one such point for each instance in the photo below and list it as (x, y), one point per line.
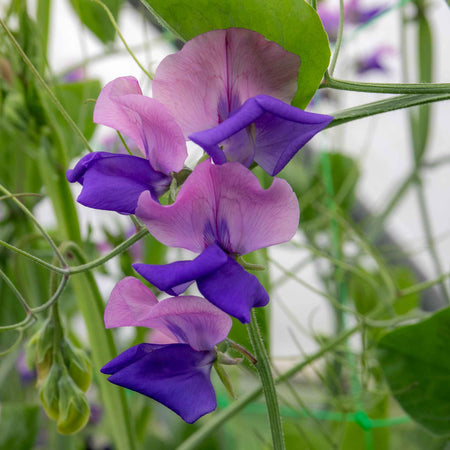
(78, 365)
(73, 407)
(49, 392)
(42, 343)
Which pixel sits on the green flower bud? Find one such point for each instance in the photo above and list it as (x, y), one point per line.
(78, 365)
(43, 342)
(49, 392)
(73, 407)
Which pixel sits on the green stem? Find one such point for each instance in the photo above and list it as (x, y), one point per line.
(83, 267)
(43, 20)
(265, 373)
(338, 39)
(386, 88)
(116, 27)
(219, 419)
(382, 106)
(430, 241)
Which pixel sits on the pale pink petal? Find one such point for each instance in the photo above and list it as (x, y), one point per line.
(223, 204)
(122, 106)
(193, 320)
(217, 71)
(158, 337)
(129, 304)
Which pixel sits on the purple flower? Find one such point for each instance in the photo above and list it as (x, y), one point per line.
(354, 14)
(115, 181)
(221, 212)
(176, 374)
(229, 91)
(374, 61)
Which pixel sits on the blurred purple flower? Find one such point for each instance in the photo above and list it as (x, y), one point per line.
(221, 212)
(374, 61)
(230, 92)
(176, 374)
(26, 374)
(75, 75)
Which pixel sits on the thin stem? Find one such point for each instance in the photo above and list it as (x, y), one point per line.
(430, 241)
(116, 27)
(16, 292)
(52, 300)
(242, 350)
(338, 39)
(386, 88)
(270, 393)
(30, 215)
(83, 267)
(223, 416)
(45, 86)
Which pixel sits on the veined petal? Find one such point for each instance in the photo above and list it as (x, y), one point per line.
(217, 71)
(114, 182)
(223, 204)
(175, 375)
(122, 106)
(176, 277)
(278, 132)
(192, 320)
(129, 304)
(233, 290)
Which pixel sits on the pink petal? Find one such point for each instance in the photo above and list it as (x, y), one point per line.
(129, 304)
(147, 122)
(217, 71)
(193, 320)
(224, 204)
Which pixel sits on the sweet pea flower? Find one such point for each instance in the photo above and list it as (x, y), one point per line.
(229, 90)
(114, 181)
(221, 212)
(374, 61)
(175, 373)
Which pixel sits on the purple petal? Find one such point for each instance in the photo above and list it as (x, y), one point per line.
(223, 204)
(217, 71)
(114, 182)
(129, 304)
(175, 375)
(280, 130)
(374, 61)
(193, 320)
(176, 277)
(233, 290)
(122, 106)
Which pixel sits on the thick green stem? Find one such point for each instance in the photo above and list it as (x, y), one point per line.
(265, 373)
(386, 88)
(43, 19)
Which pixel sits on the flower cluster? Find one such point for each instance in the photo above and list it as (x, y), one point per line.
(229, 92)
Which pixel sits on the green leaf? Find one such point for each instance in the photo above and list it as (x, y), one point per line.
(291, 23)
(19, 426)
(416, 362)
(94, 17)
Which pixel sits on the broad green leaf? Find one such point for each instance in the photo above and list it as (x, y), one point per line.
(291, 23)
(416, 362)
(95, 18)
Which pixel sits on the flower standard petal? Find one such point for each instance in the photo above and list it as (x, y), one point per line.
(114, 182)
(226, 205)
(217, 71)
(279, 129)
(122, 106)
(175, 375)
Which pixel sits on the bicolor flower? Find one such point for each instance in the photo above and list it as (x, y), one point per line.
(221, 212)
(114, 181)
(176, 372)
(230, 90)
